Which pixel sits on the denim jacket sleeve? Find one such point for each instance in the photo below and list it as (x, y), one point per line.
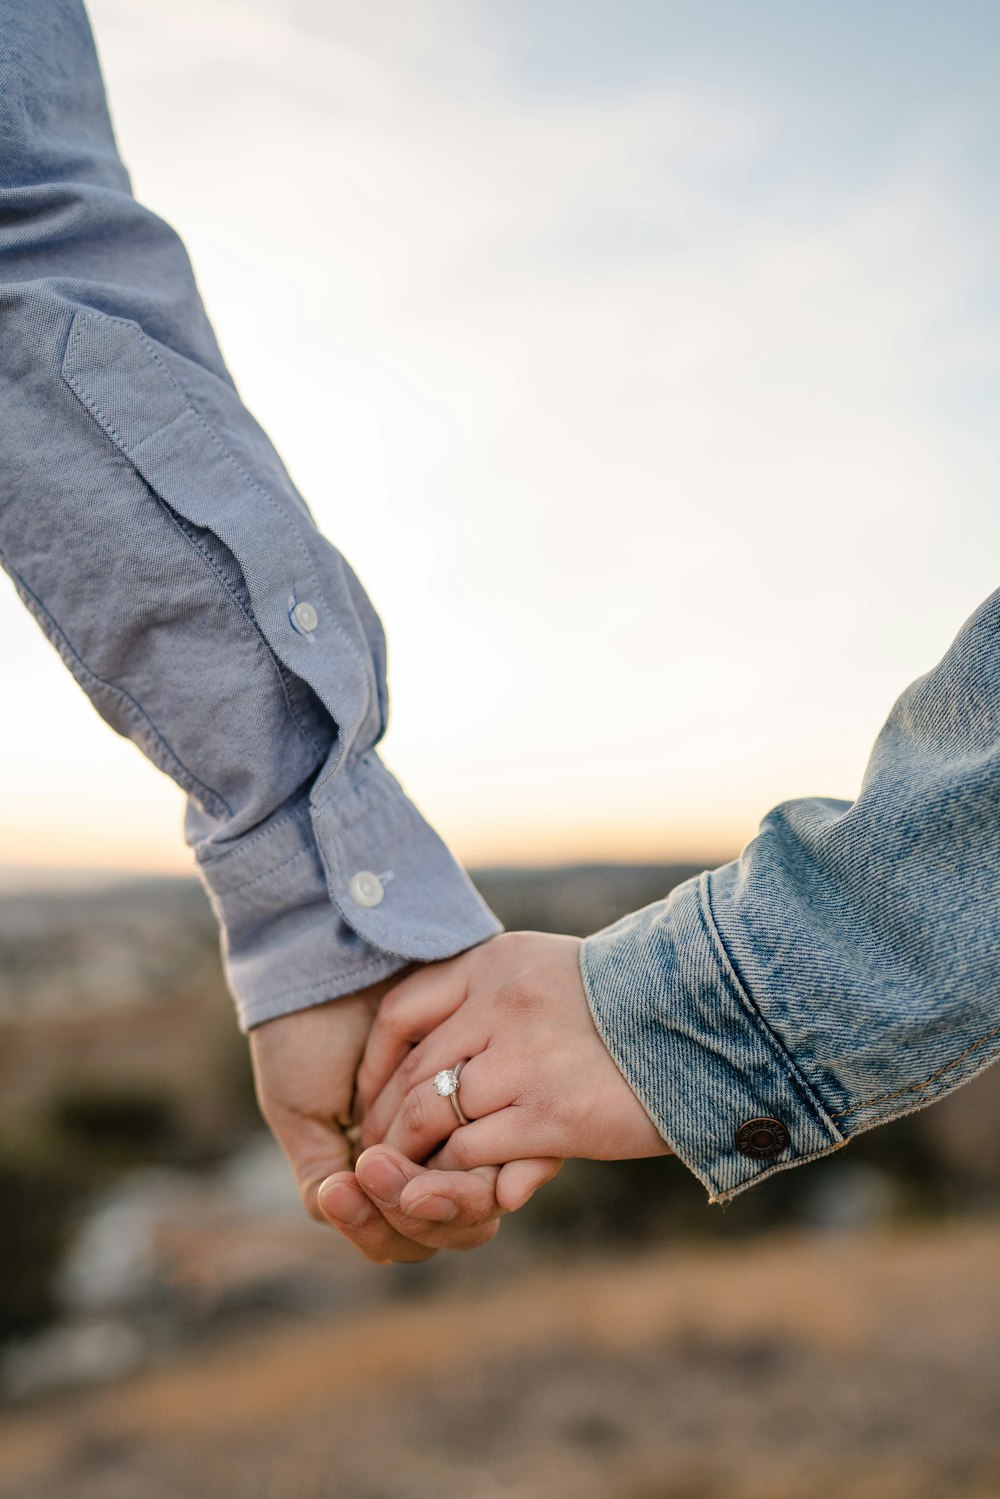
(151, 528)
(846, 969)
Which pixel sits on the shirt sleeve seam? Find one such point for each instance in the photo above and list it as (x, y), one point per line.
(368, 772)
(364, 773)
(223, 449)
(227, 895)
(211, 861)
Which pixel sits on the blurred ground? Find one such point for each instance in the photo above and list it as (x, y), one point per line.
(171, 1324)
(863, 1367)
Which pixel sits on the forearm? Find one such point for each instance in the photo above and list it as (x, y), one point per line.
(845, 970)
(153, 530)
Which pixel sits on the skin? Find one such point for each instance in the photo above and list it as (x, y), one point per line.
(539, 1081)
(305, 1067)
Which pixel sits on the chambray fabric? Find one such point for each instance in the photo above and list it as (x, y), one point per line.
(842, 972)
(846, 969)
(153, 531)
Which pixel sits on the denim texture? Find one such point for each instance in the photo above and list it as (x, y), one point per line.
(842, 972)
(845, 970)
(153, 531)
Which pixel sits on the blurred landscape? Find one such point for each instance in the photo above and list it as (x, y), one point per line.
(170, 1322)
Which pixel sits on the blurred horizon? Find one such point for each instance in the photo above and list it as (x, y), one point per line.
(640, 359)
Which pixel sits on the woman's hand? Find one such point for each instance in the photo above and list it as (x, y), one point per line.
(304, 1068)
(538, 1081)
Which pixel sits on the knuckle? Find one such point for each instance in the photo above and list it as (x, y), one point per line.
(413, 1112)
(473, 1210)
(480, 1236)
(483, 1209)
(520, 981)
(460, 1154)
(520, 994)
(388, 1010)
(505, 951)
(408, 1069)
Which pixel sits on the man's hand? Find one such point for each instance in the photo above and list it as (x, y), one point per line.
(305, 1066)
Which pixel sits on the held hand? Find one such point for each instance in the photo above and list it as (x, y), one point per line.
(538, 1081)
(305, 1066)
(392, 1209)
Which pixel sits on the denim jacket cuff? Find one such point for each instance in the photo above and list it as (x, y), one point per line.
(694, 1048)
(334, 892)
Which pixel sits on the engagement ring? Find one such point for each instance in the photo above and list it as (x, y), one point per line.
(446, 1086)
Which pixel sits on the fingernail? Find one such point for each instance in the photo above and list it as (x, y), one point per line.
(343, 1202)
(382, 1178)
(436, 1209)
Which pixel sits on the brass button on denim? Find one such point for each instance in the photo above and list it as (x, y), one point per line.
(761, 1138)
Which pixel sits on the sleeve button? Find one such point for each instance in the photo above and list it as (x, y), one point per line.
(366, 889)
(760, 1139)
(304, 616)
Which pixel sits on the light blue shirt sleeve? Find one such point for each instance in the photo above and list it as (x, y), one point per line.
(151, 528)
(846, 969)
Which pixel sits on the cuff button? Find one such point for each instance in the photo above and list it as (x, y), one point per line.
(305, 617)
(760, 1139)
(366, 889)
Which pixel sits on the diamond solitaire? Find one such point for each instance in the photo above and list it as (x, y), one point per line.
(446, 1083)
(446, 1086)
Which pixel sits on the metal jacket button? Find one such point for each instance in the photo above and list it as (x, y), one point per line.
(759, 1139)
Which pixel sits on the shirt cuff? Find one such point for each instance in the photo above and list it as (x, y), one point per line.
(335, 891)
(716, 1082)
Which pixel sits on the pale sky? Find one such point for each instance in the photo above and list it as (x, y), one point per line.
(641, 357)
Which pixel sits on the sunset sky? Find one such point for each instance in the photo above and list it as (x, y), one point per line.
(640, 355)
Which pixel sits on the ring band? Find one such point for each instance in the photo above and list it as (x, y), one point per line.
(446, 1086)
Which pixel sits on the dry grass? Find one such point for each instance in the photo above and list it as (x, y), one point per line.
(790, 1369)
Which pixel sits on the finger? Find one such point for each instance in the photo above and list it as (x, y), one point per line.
(406, 1015)
(425, 1120)
(507, 1134)
(460, 1199)
(347, 1207)
(385, 1175)
(518, 1181)
(458, 1039)
(445, 1195)
(437, 1210)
